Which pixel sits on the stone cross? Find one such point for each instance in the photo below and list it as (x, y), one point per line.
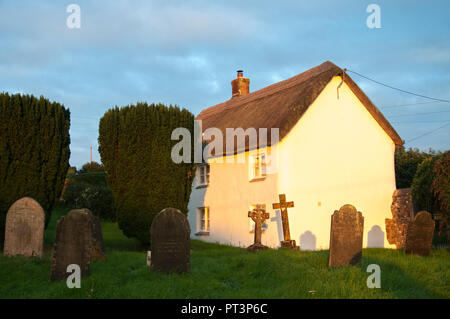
(258, 215)
(283, 206)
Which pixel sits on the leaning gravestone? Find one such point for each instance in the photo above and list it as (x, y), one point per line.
(98, 246)
(346, 237)
(420, 234)
(170, 245)
(24, 231)
(73, 244)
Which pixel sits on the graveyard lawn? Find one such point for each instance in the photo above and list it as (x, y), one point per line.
(219, 271)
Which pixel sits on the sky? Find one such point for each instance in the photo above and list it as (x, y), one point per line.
(186, 53)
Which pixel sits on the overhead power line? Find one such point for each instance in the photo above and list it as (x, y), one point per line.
(401, 90)
(409, 104)
(424, 113)
(409, 122)
(429, 132)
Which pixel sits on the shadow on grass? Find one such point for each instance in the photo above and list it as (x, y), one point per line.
(409, 276)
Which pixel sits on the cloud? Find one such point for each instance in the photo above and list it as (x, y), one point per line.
(186, 53)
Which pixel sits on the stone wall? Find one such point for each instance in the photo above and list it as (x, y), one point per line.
(402, 213)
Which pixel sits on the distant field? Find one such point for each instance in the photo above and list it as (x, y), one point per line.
(219, 271)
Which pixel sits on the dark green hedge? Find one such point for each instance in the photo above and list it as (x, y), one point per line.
(34, 151)
(135, 147)
(422, 192)
(406, 163)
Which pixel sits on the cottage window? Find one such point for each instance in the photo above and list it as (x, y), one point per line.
(258, 166)
(203, 218)
(203, 175)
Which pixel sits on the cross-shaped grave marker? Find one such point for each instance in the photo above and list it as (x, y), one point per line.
(283, 206)
(258, 215)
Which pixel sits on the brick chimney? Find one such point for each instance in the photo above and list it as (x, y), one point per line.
(240, 85)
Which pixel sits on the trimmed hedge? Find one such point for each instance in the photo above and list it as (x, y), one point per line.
(34, 151)
(135, 147)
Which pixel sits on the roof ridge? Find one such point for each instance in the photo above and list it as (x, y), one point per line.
(268, 90)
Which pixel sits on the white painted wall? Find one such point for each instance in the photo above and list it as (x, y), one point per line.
(336, 154)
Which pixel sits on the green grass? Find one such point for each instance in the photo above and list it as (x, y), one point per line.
(219, 271)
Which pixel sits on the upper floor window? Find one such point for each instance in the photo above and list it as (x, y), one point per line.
(203, 175)
(258, 166)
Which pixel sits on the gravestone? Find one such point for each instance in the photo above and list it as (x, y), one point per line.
(170, 244)
(98, 246)
(258, 215)
(346, 237)
(24, 229)
(283, 206)
(73, 244)
(402, 209)
(420, 234)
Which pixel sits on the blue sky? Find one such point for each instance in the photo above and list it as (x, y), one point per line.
(187, 52)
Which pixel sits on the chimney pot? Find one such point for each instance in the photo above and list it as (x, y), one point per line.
(240, 85)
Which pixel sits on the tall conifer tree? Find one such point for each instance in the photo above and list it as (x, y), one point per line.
(135, 147)
(34, 151)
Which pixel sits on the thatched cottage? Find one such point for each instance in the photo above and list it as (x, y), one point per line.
(335, 148)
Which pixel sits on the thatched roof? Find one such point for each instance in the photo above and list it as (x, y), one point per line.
(281, 105)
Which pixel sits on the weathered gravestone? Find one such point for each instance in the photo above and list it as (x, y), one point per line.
(98, 246)
(402, 209)
(420, 234)
(24, 231)
(170, 245)
(73, 244)
(346, 237)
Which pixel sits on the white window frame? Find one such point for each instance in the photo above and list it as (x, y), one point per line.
(204, 219)
(203, 173)
(258, 166)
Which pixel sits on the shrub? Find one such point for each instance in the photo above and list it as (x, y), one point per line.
(406, 163)
(135, 147)
(421, 186)
(87, 188)
(441, 183)
(34, 151)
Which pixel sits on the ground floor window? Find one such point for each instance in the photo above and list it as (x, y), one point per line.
(203, 219)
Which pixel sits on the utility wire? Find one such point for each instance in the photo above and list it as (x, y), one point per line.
(412, 114)
(404, 91)
(408, 92)
(409, 122)
(410, 104)
(427, 133)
